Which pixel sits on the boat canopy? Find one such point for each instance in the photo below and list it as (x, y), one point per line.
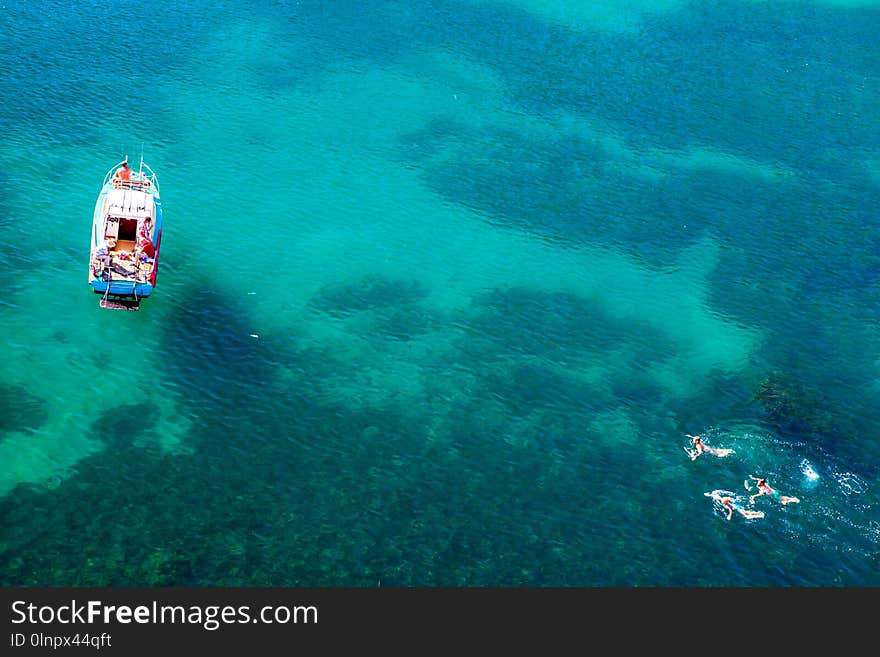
(131, 203)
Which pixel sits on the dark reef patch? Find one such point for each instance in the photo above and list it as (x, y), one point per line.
(793, 406)
(21, 410)
(212, 357)
(371, 292)
(558, 326)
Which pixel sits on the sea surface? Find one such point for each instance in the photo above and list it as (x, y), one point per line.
(443, 286)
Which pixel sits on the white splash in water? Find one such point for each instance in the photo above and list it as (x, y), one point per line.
(850, 483)
(808, 471)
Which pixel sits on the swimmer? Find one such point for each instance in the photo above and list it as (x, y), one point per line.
(764, 489)
(729, 506)
(700, 447)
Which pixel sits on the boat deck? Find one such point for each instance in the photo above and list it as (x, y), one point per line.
(123, 266)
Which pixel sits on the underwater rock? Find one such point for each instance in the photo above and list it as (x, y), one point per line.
(369, 293)
(20, 410)
(793, 406)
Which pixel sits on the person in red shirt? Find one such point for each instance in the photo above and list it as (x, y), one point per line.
(145, 249)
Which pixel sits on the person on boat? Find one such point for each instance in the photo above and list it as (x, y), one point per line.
(765, 489)
(700, 448)
(106, 246)
(146, 229)
(730, 506)
(145, 249)
(122, 174)
(102, 253)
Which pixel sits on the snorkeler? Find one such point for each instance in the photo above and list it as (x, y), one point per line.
(728, 504)
(700, 447)
(764, 489)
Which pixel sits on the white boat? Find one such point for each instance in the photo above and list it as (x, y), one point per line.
(126, 236)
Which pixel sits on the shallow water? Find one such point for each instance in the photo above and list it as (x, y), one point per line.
(442, 288)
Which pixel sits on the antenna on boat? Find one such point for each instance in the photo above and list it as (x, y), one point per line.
(141, 168)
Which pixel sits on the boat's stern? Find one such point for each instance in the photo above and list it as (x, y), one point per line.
(120, 304)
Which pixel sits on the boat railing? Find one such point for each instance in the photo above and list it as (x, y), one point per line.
(144, 179)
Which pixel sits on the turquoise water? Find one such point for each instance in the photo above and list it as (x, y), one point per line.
(443, 286)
